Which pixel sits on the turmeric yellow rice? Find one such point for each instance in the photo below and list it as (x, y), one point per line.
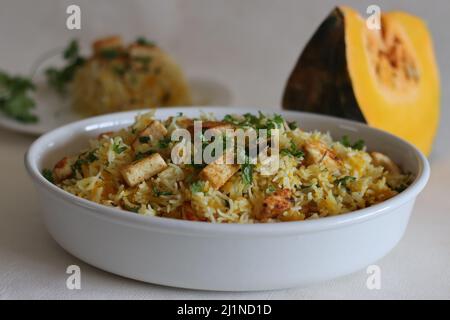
(132, 169)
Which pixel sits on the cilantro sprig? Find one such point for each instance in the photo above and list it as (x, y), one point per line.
(344, 181)
(261, 121)
(110, 53)
(144, 139)
(58, 79)
(293, 151)
(142, 155)
(118, 147)
(164, 143)
(144, 41)
(197, 186)
(158, 192)
(15, 101)
(48, 174)
(358, 145)
(247, 171)
(271, 189)
(84, 159)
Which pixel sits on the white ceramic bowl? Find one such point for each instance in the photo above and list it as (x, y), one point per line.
(231, 257)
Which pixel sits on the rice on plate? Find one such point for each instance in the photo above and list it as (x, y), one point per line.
(133, 169)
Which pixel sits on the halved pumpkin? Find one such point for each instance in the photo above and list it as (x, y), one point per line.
(387, 78)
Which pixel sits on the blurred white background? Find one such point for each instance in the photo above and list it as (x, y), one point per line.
(250, 46)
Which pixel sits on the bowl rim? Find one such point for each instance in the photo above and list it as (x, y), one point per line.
(256, 229)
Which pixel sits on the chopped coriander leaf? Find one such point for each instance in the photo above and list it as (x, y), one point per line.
(119, 70)
(132, 209)
(14, 100)
(228, 118)
(197, 186)
(270, 189)
(278, 119)
(197, 165)
(76, 166)
(292, 125)
(344, 180)
(91, 157)
(141, 155)
(110, 53)
(307, 188)
(118, 147)
(144, 139)
(71, 52)
(247, 172)
(292, 151)
(48, 174)
(87, 158)
(144, 42)
(58, 79)
(358, 145)
(158, 193)
(345, 141)
(257, 122)
(401, 188)
(164, 143)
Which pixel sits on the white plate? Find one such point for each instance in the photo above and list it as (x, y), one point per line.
(211, 256)
(54, 110)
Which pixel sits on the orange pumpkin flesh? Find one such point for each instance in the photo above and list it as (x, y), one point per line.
(387, 78)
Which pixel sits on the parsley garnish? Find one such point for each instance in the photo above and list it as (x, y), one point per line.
(144, 42)
(229, 118)
(257, 122)
(141, 155)
(306, 188)
(247, 172)
(358, 145)
(270, 189)
(197, 165)
(197, 186)
(164, 143)
(292, 151)
(58, 79)
(76, 166)
(132, 209)
(401, 188)
(158, 193)
(118, 147)
(110, 53)
(144, 139)
(278, 119)
(91, 157)
(292, 125)
(344, 180)
(48, 174)
(14, 100)
(119, 70)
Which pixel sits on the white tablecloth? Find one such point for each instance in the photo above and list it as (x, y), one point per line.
(249, 47)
